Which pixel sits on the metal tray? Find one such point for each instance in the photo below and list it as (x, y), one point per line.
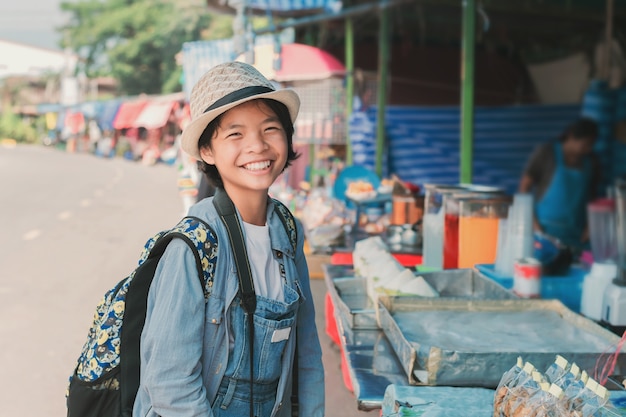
(473, 342)
(350, 299)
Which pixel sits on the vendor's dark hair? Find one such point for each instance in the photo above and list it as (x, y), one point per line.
(284, 118)
(581, 128)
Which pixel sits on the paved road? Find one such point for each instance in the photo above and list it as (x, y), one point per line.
(72, 226)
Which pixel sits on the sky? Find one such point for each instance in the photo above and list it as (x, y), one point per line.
(31, 22)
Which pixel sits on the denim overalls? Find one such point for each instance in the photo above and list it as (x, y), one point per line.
(181, 375)
(273, 325)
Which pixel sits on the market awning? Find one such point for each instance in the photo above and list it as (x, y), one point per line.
(128, 113)
(298, 62)
(74, 122)
(155, 114)
(107, 114)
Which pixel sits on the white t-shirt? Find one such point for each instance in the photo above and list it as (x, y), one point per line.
(265, 269)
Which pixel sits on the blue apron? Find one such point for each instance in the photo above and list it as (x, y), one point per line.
(561, 212)
(274, 323)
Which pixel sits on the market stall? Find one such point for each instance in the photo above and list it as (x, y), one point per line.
(444, 341)
(378, 352)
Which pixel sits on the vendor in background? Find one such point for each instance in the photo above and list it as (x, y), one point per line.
(564, 176)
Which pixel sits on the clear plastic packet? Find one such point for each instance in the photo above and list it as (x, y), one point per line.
(557, 369)
(503, 386)
(508, 396)
(596, 402)
(585, 395)
(535, 400)
(522, 395)
(547, 402)
(573, 389)
(569, 377)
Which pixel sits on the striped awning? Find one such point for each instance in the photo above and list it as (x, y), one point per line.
(155, 114)
(128, 113)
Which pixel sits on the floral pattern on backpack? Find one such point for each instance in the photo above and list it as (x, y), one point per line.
(101, 352)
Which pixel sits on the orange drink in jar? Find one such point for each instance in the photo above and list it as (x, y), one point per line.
(478, 229)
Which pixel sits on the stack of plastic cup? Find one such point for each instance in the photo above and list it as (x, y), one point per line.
(516, 241)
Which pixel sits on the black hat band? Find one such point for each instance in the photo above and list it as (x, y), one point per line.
(239, 95)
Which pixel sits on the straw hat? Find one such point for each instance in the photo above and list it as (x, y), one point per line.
(224, 87)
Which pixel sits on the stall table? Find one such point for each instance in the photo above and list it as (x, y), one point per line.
(369, 362)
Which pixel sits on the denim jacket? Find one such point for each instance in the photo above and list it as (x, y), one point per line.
(185, 340)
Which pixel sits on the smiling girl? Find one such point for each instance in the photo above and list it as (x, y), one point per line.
(195, 352)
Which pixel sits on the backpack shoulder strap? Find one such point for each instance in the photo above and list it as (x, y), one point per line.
(203, 241)
(199, 236)
(289, 222)
(227, 212)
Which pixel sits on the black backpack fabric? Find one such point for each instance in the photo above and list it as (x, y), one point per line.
(106, 378)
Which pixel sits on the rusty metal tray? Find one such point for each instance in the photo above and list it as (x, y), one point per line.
(350, 299)
(473, 342)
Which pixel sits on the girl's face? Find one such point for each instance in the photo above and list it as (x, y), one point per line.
(249, 148)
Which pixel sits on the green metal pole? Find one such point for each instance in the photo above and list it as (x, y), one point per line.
(349, 56)
(467, 90)
(383, 71)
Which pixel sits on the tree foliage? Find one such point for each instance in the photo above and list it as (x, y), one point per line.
(12, 126)
(136, 41)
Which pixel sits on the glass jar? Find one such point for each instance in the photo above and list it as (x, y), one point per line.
(433, 223)
(479, 220)
(451, 219)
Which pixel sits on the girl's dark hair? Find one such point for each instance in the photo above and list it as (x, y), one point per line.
(284, 118)
(581, 129)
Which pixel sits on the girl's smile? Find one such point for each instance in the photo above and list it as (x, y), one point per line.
(257, 166)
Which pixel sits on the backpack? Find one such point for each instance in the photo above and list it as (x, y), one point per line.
(106, 378)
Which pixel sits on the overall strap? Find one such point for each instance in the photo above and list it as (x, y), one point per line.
(226, 210)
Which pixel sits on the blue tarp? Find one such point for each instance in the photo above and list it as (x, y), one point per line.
(107, 113)
(423, 142)
(102, 111)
